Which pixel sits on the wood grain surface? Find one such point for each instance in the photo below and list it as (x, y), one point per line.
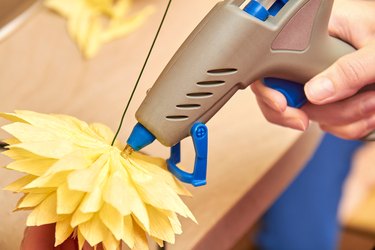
(250, 160)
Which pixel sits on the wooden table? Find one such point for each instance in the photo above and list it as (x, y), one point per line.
(250, 160)
(362, 218)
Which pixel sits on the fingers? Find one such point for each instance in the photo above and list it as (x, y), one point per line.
(352, 131)
(291, 117)
(344, 78)
(70, 244)
(43, 238)
(39, 238)
(87, 246)
(344, 112)
(352, 118)
(274, 99)
(274, 108)
(346, 16)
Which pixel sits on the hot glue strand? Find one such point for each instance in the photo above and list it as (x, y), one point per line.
(141, 73)
(128, 150)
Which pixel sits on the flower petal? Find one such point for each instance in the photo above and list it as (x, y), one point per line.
(93, 230)
(86, 179)
(79, 218)
(113, 220)
(31, 200)
(93, 200)
(50, 149)
(20, 154)
(158, 168)
(11, 117)
(19, 184)
(27, 133)
(160, 226)
(33, 166)
(157, 193)
(121, 194)
(103, 131)
(45, 213)
(140, 240)
(63, 231)
(110, 242)
(129, 235)
(68, 200)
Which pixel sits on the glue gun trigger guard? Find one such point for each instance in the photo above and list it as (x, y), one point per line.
(199, 134)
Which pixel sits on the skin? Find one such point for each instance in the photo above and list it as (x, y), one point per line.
(335, 103)
(43, 237)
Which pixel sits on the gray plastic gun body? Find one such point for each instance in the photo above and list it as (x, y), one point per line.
(228, 51)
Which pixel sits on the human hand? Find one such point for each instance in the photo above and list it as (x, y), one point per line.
(334, 103)
(43, 238)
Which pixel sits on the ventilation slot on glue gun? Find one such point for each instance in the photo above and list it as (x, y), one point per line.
(224, 71)
(177, 117)
(216, 83)
(199, 94)
(188, 106)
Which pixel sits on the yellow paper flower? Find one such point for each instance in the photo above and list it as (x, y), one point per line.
(90, 189)
(92, 23)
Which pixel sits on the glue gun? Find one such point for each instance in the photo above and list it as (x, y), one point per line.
(284, 42)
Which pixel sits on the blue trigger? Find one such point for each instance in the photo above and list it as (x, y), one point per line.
(293, 92)
(257, 10)
(199, 133)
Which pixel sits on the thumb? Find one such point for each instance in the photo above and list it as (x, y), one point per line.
(344, 78)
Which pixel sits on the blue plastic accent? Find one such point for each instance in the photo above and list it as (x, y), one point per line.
(257, 10)
(175, 153)
(199, 133)
(276, 7)
(293, 92)
(140, 137)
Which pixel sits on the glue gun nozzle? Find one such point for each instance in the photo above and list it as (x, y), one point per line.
(140, 137)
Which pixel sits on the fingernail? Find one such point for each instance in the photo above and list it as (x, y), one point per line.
(319, 89)
(296, 124)
(272, 104)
